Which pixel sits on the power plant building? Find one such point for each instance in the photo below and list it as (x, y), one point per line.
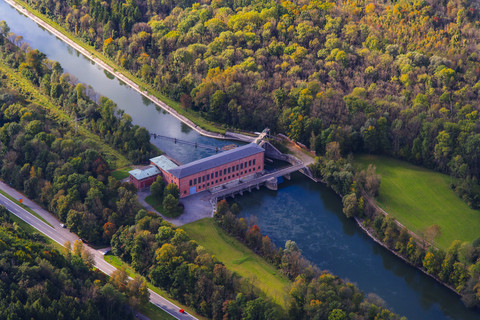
(206, 173)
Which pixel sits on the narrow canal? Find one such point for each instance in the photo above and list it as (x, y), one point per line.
(300, 210)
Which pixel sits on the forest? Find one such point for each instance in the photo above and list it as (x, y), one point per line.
(38, 282)
(45, 157)
(398, 78)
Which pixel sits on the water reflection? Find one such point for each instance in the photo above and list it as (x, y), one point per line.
(146, 102)
(108, 75)
(185, 129)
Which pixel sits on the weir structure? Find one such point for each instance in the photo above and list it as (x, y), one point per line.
(270, 179)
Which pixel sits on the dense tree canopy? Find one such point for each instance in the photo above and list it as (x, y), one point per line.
(44, 156)
(399, 78)
(38, 282)
(174, 262)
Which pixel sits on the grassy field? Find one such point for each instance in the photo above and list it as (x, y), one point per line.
(419, 198)
(121, 173)
(238, 258)
(157, 204)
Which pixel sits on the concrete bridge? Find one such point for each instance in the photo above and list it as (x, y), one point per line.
(269, 180)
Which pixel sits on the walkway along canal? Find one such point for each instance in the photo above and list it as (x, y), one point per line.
(300, 210)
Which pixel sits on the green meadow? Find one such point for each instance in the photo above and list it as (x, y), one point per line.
(419, 198)
(240, 259)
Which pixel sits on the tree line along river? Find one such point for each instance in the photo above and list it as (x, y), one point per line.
(301, 210)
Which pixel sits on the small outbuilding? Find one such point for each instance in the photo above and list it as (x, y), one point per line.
(144, 177)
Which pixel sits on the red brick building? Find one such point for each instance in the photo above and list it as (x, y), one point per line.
(143, 178)
(208, 172)
(216, 170)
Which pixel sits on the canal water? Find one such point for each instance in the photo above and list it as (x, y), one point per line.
(300, 210)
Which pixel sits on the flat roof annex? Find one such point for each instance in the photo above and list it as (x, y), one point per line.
(144, 173)
(163, 163)
(216, 160)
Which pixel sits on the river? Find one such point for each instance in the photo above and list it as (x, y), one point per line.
(300, 210)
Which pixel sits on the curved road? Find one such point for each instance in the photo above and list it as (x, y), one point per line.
(61, 235)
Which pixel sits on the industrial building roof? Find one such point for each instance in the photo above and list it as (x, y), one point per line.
(216, 160)
(163, 163)
(144, 173)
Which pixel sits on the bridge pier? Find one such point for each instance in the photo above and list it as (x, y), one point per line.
(272, 183)
(270, 180)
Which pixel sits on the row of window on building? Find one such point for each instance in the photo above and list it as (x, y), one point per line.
(221, 175)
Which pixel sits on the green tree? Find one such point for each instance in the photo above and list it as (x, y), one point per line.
(170, 204)
(337, 314)
(350, 205)
(431, 262)
(157, 188)
(137, 292)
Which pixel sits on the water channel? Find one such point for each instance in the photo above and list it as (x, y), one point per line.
(300, 210)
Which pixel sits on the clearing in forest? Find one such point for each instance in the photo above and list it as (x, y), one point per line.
(420, 198)
(238, 258)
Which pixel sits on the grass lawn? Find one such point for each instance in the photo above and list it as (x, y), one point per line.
(121, 173)
(240, 259)
(419, 198)
(157, 204)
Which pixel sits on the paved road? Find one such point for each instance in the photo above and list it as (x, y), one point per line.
(61, 235)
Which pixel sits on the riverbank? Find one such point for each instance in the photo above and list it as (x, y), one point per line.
(300, 210)
(93, 56)
(406, 188)
(392, 236)
(418, 240)
(372, 236)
